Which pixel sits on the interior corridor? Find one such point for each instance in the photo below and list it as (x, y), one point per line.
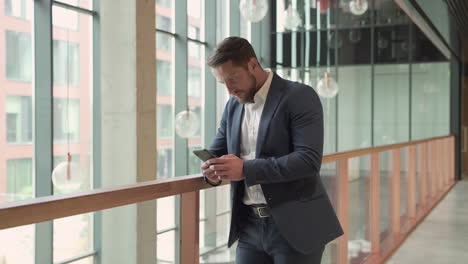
(441, 237)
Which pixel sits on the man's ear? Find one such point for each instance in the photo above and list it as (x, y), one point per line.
(253, 64)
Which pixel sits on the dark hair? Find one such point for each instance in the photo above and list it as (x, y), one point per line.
(236, 49)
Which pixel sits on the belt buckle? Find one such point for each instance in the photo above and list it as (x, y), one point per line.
(261, 213)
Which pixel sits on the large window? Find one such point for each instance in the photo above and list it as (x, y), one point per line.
(66, 120)
(66, 63)
(72, 56)
(18, 56)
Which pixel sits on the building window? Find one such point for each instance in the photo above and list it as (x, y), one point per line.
(66, 121)
(66, 63)
(18, 119)
(18, 56)
(18, 8)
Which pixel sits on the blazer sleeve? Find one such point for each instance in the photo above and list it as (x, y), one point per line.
(219, 144)
(306, 131)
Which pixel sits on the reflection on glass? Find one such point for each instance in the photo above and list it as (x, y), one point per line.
(354, 107)
(386, 164)
(403, 176)
(391, 104)
(430, 100)
(359, 173)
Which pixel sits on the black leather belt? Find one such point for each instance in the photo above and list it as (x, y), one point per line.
(259, 211)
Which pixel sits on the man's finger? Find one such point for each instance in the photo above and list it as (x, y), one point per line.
(205, 165)
(217, 161)
(218, 167)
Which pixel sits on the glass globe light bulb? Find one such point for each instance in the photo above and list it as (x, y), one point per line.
(355, 36)
(186, 124)
(358, 7)
(327, 86)
(67, 176)
(292, 20)
(253, 10)
(382, 43)
(331, 40)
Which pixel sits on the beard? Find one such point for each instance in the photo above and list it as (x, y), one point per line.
(248, 96)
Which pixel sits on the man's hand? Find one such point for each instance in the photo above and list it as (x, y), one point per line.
(228, 167)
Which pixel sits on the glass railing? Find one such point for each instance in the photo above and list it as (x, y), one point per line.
(380, 195)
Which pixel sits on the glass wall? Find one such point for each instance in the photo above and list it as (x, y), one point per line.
(393, 83)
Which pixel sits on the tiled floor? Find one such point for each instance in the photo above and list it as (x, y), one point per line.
(443, 236)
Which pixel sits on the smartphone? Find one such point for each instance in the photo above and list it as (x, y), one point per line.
(204, 154)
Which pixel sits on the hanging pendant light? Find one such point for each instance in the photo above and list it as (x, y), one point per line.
(332, 37)
(187, 123)
(292, 20)
(327, 87)
(354, 36)
(253, 10)
(67, 176)
(358, 7)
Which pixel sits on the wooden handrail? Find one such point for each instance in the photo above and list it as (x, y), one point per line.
(367, 151)
(47, 208)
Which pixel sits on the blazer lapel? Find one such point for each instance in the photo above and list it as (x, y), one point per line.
(236, 128)
(273, 98)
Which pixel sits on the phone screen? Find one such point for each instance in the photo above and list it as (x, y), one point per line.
(204, 154)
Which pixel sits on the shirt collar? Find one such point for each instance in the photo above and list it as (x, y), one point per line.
(261, 95)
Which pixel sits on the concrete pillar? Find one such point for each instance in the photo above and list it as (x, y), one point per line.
(128, 102)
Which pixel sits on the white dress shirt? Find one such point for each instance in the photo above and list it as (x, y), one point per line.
(249, 132)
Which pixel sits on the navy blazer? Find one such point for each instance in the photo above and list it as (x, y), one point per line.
(287, 164)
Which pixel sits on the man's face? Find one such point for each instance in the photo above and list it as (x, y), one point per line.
(239, 81)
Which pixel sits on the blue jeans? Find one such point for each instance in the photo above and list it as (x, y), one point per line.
(260, 242)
